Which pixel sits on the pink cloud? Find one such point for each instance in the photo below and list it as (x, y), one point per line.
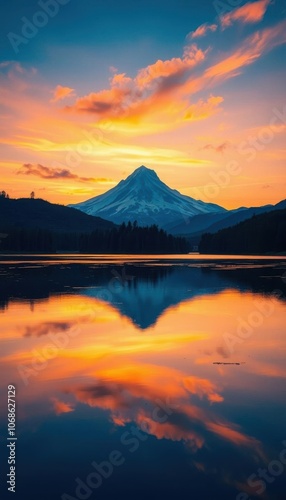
(251, 12)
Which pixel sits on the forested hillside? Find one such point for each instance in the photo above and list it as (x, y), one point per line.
(265, 233)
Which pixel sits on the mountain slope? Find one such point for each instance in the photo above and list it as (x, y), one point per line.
(145, 198)
(264, 233)
(25, 213)
(240, 215)
(214, 222)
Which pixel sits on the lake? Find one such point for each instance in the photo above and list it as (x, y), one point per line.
(144, 376)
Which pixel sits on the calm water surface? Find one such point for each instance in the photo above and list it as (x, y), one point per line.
(145, 377)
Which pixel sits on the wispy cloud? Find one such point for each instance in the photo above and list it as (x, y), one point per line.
(250, 50)
(45, 328)
(252, 12)
(55, 173)
(202, 30)
(60, 93)
(220, 148)
(203, 109)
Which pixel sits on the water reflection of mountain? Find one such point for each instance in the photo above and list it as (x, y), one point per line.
(140, 292)
(144, 298)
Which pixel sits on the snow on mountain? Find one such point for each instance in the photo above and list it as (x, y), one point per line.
(145, 198)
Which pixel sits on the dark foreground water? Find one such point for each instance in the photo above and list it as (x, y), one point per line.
(144, 378)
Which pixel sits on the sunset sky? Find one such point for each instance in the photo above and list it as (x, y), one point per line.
(91, 90)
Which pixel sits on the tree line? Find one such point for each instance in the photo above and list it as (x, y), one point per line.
(3, 194)
(127, 238)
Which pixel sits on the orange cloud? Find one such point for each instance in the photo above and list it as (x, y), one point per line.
(112, 385)
(231, 434)
(61, 407)
(201, 387)
(248, 13)
(61, 93)
(203, 30)
(202, 109)
(254, 46)
(166, 69)
(133, 99)
(55, 173)
(111, 101)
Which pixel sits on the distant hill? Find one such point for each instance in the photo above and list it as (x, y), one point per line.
(26, 213)
(33, 225)
(212, 223)
(261, 234)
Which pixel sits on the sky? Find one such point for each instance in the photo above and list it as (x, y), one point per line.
(90, 90)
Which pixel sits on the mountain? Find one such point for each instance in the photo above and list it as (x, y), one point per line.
(239, 215)
(214, 222)
(145, 198)
(25, 213)
(264, 233)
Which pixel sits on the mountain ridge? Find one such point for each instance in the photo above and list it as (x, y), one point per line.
(214, 222)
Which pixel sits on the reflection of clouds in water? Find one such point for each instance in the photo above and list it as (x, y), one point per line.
(46, 327)
(61, 407)
(141, 394)
(169, 404)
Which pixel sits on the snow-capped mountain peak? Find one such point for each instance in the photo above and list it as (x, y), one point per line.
(143, 171)
(142, 196)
